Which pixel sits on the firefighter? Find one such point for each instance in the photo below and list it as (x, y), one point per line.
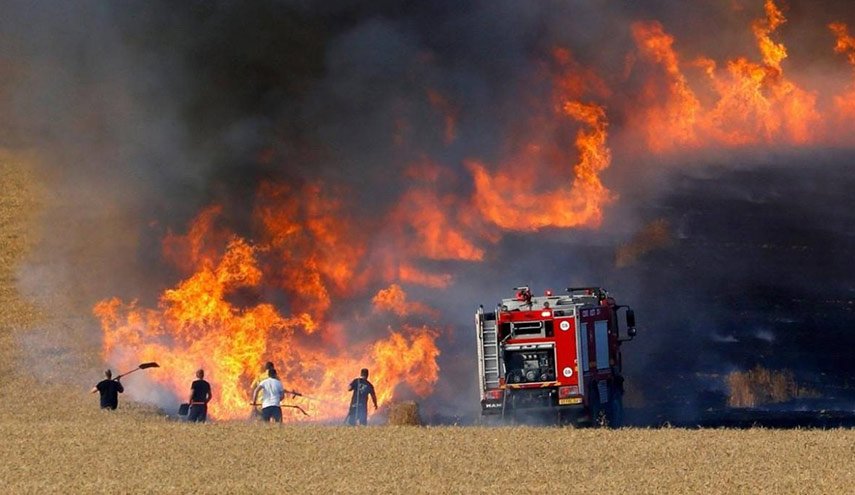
(271, 397)
(362, 388)
(200, 395)
(110, 390)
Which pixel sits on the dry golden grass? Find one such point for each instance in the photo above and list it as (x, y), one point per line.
(404, 413)
(121, 452)
(760, 386)
(16, 207)
(54, 439)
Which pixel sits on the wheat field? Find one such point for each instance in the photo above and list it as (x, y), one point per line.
(53, 438)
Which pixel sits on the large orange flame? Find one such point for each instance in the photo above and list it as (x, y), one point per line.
(532, 190)
(394, 300)
(433, 225)
(752, 102)
(674, 123)
(203, 323)
(845, 44)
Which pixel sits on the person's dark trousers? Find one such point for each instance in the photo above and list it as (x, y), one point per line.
(362, 414)
(358, 415)
(198, 413)
(271, 412)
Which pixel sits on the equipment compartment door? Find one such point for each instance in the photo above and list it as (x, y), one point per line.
(567, 362)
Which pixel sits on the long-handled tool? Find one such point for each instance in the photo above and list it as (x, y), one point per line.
(143, 366)
(294, 393)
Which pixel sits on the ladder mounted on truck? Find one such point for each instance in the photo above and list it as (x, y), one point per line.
(488, 350)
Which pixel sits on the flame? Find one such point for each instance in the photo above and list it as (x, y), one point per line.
(845, 44)
(433, 233)
(771, 99)
(530, 191)
(214, 319)
(773, 53)
(752, 102)
(412, 274)
(429, 224)
(674, 123)
(408, 359)
(394, 300)
(313, 250)
(199, 245)
(512, 199)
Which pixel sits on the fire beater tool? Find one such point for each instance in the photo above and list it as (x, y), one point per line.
(143, 366)
(294, 393)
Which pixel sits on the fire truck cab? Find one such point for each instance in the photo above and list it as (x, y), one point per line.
(553, 353)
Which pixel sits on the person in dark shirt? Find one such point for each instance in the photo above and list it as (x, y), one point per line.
(110, 390)
(362, 389)
(200, 395)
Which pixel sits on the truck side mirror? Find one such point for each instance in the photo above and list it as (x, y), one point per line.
(630, 323)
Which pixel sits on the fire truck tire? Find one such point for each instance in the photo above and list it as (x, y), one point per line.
(610, 414)
(597, 410)
(614, 410)
(567, 417)
(490, 420)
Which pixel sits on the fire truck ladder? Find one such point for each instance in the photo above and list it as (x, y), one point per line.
(489, 350)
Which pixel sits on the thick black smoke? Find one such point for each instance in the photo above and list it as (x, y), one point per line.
(144, 112)
(759, 273)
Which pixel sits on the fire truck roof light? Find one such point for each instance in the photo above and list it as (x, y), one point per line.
(548, 293)
(546, 313)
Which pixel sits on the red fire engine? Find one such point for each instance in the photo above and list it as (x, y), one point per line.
(555, 353)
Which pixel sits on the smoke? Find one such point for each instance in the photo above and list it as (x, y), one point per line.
(759, 275)
(144, 113)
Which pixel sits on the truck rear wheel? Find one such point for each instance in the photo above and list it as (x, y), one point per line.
(614, 409)
(569, 417)
(610, 413)
(490, 420)
(596, 409)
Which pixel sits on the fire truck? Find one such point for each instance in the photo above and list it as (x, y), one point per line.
(553, 354)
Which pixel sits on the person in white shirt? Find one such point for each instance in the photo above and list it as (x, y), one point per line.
(272, 395)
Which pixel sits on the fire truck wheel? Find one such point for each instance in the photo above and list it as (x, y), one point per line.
(597, 410)
(490, 420)
(614, 410)
(610, 414)
(567, 417)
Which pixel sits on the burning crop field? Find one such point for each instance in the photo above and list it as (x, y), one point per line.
(332, 186)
